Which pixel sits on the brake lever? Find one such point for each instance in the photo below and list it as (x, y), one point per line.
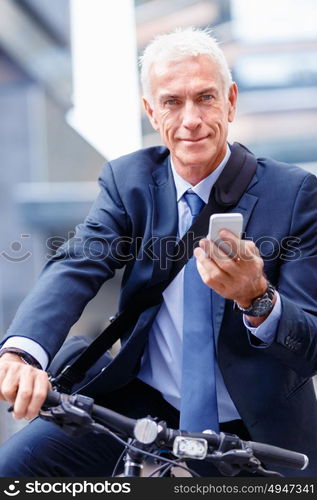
(231, 462)
(73, 420)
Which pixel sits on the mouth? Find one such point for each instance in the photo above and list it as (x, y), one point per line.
(194, 140)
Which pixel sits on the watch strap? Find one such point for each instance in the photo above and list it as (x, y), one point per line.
(261, 305)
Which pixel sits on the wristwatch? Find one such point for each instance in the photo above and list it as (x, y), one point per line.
(261, 305)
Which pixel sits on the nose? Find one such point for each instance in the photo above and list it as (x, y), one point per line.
(191, 116)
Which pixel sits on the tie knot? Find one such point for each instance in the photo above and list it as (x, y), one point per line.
(194, 202)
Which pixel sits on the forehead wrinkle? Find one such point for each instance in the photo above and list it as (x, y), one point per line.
(176, 77)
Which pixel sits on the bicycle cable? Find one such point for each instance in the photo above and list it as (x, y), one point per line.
(147, 453)
(168, 467)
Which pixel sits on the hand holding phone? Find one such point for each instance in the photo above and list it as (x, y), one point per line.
(231, 221)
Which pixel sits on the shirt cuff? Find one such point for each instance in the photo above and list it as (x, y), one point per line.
(267, 330)
(29, 346)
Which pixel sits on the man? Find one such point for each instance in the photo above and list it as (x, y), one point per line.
(260, 363)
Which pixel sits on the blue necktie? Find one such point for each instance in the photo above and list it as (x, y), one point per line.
(198, 392)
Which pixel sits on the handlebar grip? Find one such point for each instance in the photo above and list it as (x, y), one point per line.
(53, 398)
(114, 420)
(278, 456)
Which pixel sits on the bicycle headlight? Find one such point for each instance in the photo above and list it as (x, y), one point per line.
(187, 447)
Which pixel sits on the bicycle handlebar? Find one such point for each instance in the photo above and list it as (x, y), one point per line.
(160, 433)
(115, 420)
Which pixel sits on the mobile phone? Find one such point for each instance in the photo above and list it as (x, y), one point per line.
(232, 221)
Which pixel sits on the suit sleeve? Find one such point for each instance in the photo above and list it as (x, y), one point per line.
(296, 337)
(74, 275)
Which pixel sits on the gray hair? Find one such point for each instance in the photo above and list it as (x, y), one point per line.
(178, 44)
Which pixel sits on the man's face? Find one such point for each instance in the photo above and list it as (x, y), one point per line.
(191, 111)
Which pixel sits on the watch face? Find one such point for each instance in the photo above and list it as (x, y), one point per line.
(263, 305)
(260, 307)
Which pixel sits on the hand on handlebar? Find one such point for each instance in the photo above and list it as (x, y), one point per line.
(22, 385)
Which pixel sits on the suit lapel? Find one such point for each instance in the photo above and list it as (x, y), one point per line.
(164, 220)
(245, 207)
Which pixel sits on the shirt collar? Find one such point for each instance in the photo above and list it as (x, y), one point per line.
(203, 188)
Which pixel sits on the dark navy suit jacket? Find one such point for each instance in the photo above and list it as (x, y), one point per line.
(133, 215)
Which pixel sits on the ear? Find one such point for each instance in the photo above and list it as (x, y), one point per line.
(232, 98)
(151, 114)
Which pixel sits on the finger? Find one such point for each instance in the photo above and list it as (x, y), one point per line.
(202, 254)
(244, 249)
(3, 370)
(211, 274)
(39, 393)
(7, 371)
(220, 253)
(226, 249)
(24, 392)
(231, 240)
(9, 382)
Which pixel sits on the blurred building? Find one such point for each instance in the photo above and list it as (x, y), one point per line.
(271, 49)
(48, 171)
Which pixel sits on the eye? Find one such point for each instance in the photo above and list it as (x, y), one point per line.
(206, 97)
(170, 102)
